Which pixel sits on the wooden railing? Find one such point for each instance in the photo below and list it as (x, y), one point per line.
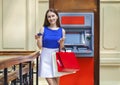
(22, 68)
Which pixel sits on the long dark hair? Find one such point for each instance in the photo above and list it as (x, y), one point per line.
(46, 22)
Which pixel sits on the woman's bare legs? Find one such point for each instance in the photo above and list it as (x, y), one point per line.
(57, 79)
(53, 81)
(50, 81)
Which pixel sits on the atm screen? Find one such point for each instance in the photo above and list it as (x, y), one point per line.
(72, 38)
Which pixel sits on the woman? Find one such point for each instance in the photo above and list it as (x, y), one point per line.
(50, 39)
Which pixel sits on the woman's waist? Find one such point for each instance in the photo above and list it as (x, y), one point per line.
(51, 49)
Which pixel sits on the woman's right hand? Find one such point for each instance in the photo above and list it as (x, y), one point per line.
(37, 37)
(39, 41)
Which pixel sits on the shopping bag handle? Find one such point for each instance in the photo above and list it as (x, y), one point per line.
(64, 49)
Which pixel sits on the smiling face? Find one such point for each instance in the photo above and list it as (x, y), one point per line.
(52, 18)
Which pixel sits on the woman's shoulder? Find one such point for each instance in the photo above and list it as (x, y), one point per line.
(63, 30)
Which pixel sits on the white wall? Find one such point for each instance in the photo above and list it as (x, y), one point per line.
(109, 42)
(17, 24)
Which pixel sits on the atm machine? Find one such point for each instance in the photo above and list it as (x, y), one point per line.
(80, 19)
(79, 29)
(79, 39)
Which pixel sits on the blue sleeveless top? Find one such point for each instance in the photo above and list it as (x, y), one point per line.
(51, 37)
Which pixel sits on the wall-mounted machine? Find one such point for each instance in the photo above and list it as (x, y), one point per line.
(79, 32)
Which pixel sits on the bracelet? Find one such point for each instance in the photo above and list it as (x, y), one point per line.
(39, 34)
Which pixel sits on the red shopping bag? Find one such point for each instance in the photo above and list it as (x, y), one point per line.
(66, 61)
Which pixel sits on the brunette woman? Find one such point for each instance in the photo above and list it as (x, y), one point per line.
(49, 40)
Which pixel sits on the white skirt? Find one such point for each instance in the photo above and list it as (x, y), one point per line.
(46, 68)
